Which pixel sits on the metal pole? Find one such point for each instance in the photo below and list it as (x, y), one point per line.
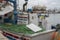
(15, 12)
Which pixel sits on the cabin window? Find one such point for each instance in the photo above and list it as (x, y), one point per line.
(32, 17)
(0, 17)
(5, 15)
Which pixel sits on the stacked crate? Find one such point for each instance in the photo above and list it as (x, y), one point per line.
(22, 18)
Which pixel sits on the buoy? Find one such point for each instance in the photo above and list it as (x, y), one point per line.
(54, 35)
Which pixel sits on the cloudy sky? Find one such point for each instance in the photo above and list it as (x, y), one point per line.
(48, 3)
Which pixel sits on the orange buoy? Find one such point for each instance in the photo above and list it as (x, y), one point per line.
(58, 37)
(54, 35)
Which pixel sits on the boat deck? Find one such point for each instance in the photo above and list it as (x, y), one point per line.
(17, 29)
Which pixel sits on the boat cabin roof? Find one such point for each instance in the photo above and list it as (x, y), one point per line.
(6, 10)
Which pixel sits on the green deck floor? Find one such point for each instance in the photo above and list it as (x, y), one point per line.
(17, 28)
